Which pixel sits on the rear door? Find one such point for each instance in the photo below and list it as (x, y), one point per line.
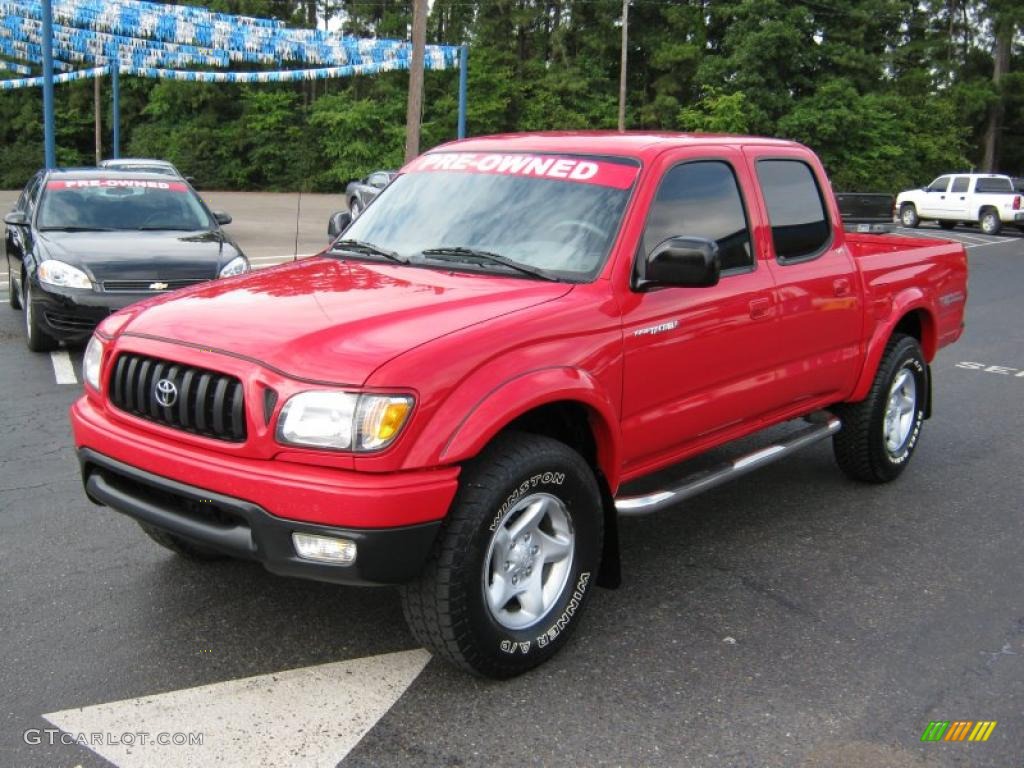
(820, 314)
(957, 204)
(697, 360)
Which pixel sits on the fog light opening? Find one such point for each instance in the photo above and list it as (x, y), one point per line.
(324, 549)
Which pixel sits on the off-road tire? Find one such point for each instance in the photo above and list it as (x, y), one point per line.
(446, 608)
(180, 546)
(860, 446)
(908, 216)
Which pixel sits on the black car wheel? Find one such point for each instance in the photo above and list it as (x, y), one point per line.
(12, 293)
(38, 340)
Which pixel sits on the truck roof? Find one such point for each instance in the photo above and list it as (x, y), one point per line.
(635, 144)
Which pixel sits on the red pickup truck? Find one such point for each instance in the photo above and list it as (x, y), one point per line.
(457, 395)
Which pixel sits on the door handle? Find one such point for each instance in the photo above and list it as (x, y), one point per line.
(942, 197)
(760, 308)
(962, 197)
(841, 287)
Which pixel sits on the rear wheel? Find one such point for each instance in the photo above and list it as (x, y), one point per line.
(514, 565)
(989, 222)
(880, 433)
(36, 337)
(180, 546)
(947, 224)
(908, 215)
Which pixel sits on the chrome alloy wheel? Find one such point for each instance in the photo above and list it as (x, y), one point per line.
(900, 412)
(528, 561)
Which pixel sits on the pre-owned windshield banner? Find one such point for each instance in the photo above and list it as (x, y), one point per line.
(173, 186)
(582, 170)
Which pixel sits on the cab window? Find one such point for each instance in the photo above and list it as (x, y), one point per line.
(939, 185)
(796, 209)
(702, 199)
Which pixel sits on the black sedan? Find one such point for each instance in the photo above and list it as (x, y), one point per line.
(83, 243)
(360, 193)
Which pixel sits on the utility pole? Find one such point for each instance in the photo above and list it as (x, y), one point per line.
(97, 106)
(622, 66)
(414, 109)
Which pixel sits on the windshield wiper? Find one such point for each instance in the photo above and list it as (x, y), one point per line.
(361, 246)
(492, 258)
(77, 229)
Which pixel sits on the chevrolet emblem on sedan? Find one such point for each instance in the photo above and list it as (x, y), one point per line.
(166, 392)
(158, 286)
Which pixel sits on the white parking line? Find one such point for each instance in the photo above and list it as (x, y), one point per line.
(63, 370)
(310, 717)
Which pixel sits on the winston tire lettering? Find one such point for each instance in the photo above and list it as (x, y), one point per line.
(544, 478)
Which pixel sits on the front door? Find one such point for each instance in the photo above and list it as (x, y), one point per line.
(696, 358)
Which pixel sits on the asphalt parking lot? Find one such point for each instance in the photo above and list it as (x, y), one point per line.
(790, 619)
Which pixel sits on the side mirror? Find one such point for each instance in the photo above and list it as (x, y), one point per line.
(16, 219)
(222, 217)
(338, 223)
(685, 262)
(191, 180)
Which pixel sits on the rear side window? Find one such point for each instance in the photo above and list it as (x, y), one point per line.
(993, 185)
(796, 209)
(701, 199)
(960, 184)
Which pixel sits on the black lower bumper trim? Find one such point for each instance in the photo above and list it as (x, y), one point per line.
(244, 530)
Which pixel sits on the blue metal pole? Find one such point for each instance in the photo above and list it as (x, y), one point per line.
(49, 142)
(115, 112)
(463, 81)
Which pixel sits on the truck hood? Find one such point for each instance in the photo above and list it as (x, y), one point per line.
(328, 320)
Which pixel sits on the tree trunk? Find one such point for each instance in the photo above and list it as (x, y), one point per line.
(414, 109)
(622, 65)
(1004, 38)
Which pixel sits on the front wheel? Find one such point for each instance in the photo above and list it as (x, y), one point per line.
(36, 337)
(880, 433)
(515, 562)
(908, 215)
(990, 223)
(12, 294)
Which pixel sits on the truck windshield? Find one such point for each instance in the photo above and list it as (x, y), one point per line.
(558, 215)
(120, 204)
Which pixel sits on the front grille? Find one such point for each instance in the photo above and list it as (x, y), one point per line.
(137, 286)
(205, 402)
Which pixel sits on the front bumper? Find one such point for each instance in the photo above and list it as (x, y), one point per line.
(245, 530)
(72, 314)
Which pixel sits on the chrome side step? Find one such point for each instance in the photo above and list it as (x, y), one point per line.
(823, 426)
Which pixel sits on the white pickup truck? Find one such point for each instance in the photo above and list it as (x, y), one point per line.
(988, 199)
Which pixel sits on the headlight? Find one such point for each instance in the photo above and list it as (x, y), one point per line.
(237, 266)
(91, 362)
(53, 272)
(343, 420)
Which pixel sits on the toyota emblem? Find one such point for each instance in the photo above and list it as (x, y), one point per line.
(166, 392)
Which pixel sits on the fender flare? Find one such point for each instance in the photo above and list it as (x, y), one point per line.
(905, 302)
(533, 389)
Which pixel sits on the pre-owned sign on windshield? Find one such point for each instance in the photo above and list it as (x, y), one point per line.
(577, 169)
